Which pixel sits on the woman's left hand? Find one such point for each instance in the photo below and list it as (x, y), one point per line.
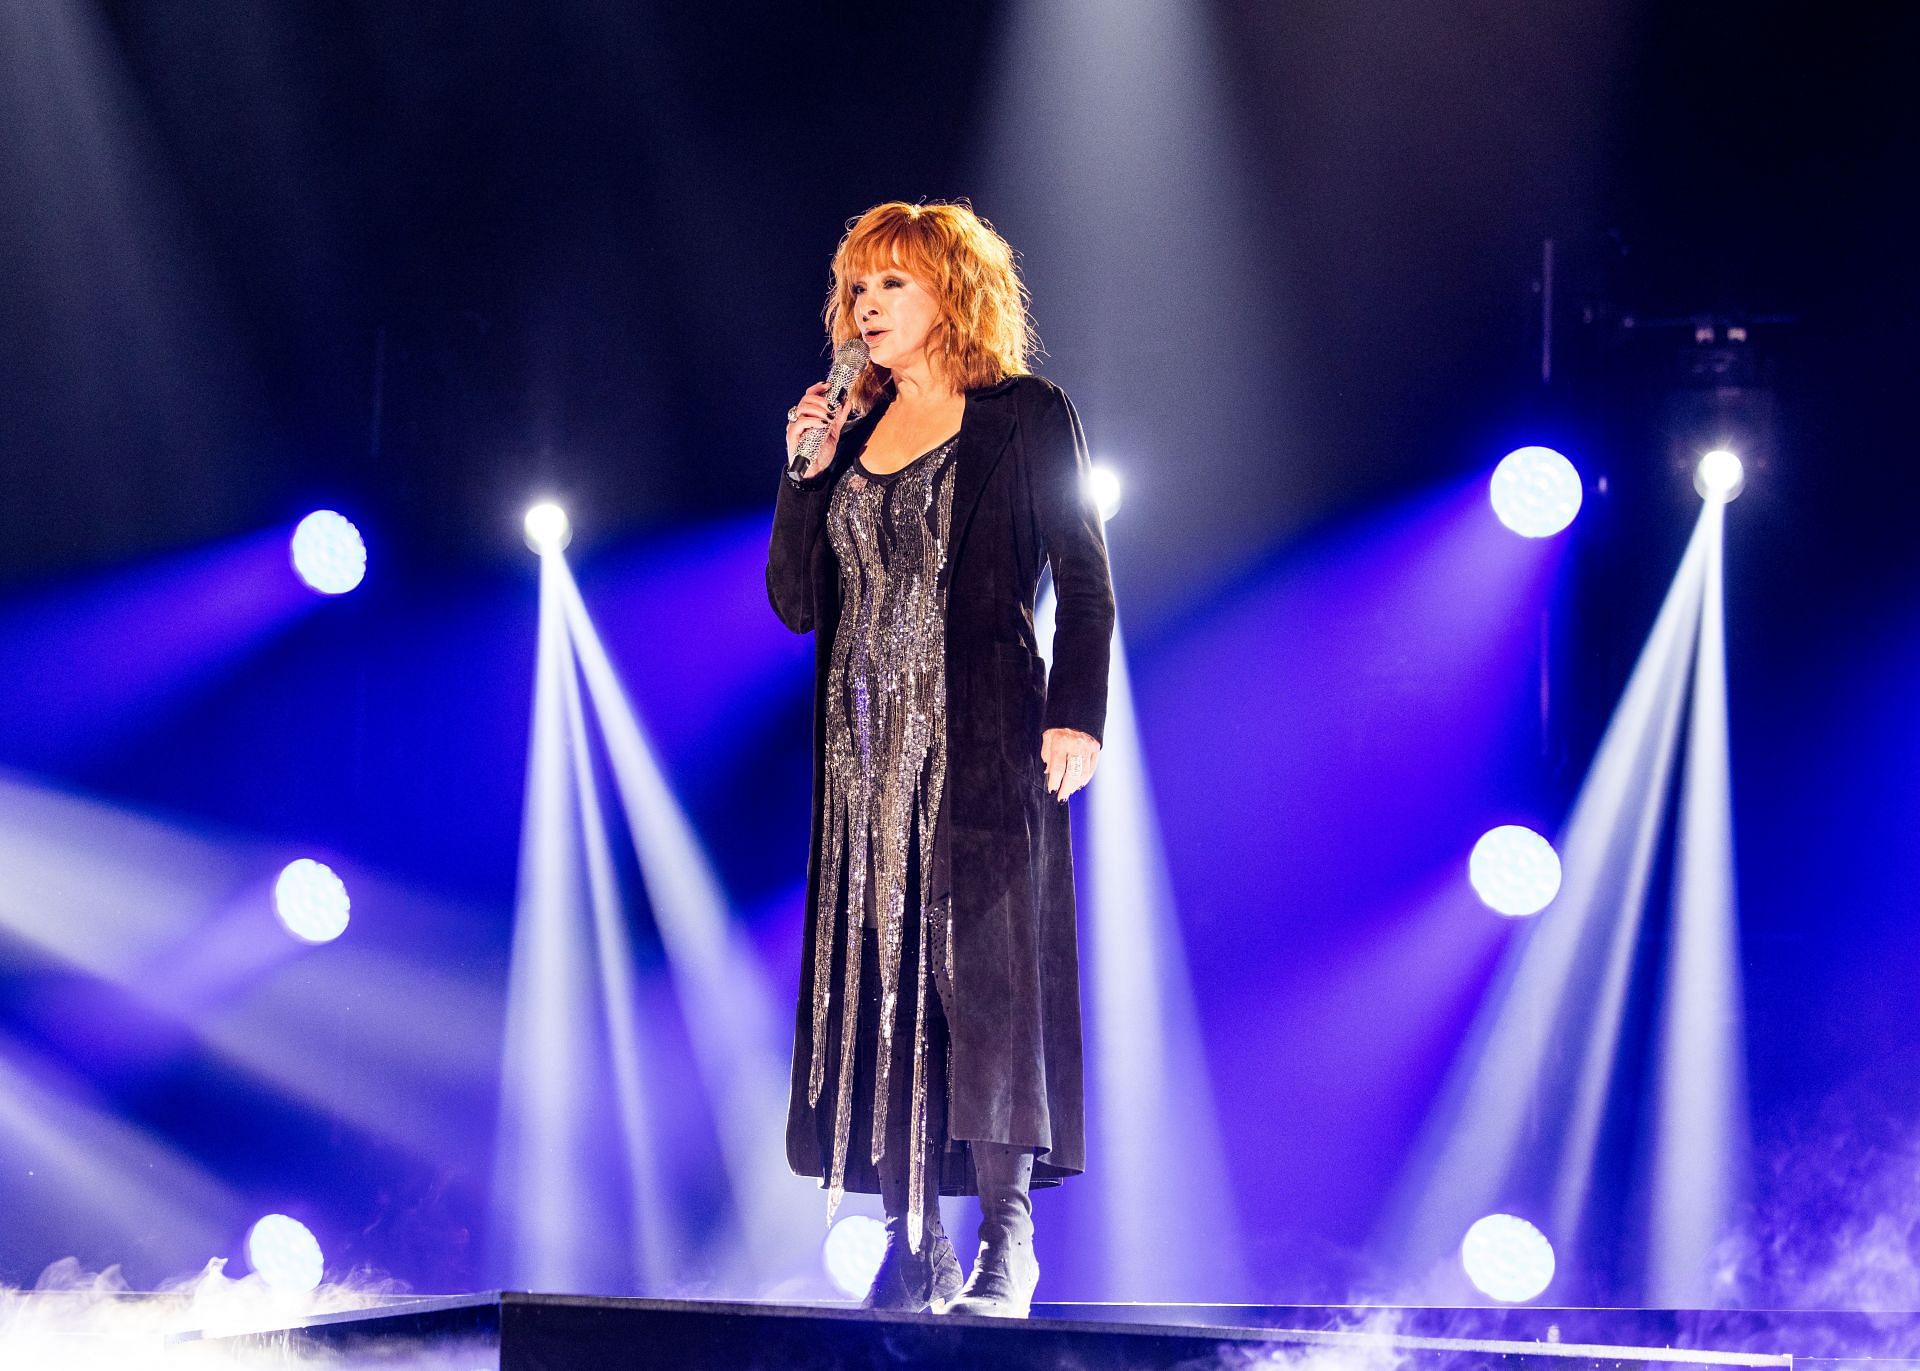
(1070, 757)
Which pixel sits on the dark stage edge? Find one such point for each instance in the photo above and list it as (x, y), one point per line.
(513, 1331)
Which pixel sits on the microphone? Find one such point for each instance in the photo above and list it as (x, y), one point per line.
(848, 360)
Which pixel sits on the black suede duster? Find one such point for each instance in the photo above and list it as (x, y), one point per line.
(1020, 504)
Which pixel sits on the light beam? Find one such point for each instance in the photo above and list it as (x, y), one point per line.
(1700, 1135)
(1151, 1096)
(739, 1042)
(545, 1202)
(1524, 1109)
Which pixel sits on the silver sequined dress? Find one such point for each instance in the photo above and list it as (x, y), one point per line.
(886, 764)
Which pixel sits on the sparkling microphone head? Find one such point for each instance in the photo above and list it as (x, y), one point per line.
(849, 357)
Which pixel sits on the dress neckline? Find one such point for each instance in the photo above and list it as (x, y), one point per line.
(872, 475)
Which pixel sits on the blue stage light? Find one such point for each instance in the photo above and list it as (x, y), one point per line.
(311, 901)
(1514, 870)
(329, 553)
(285, 1254)
(1507, 1258)
(1535, 491)
(1720, 476)
(853, 1251)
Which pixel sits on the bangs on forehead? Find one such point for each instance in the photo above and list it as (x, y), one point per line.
(887, 247)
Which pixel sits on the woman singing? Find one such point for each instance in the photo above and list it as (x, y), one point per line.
(937, 1043)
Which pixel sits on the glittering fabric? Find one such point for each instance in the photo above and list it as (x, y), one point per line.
(886, 764)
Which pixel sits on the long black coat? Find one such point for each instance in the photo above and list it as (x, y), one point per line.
(1020, 504)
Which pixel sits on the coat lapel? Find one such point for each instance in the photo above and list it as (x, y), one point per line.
(985, 427)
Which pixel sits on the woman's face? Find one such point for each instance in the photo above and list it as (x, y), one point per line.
(895, 314)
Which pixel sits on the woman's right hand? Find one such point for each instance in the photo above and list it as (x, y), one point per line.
(811, 413)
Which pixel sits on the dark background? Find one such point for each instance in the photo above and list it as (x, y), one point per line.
(429, 259)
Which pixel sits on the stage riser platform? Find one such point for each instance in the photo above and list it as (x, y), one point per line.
(1814, 1336)
(522, 1332)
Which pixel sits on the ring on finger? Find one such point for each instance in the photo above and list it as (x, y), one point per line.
(793, 414)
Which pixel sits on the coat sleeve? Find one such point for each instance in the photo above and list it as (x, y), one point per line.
(795, 551)
(1076, 549)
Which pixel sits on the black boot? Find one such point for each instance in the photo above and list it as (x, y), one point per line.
(913, 1282)
(909, 1281)
(1006, 1271)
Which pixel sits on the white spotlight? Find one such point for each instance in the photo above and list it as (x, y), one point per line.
(1103, 483)
(285, 1254)
(1507, 1258)
(1720, 476)
(853, 1251)
(1535, 491)
(1514, 870)
(548, 529)
(329, 553)
(311, 901)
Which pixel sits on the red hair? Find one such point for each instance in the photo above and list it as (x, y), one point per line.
(983, 333)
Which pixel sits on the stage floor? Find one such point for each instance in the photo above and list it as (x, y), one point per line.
(523, 1332)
